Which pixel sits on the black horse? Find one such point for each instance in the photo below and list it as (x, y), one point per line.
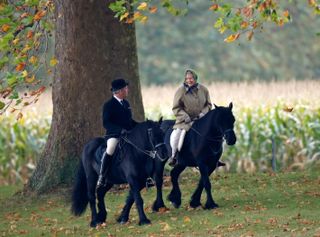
(134, 163)
(202, 148)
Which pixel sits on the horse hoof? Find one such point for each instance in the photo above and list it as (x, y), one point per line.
(174, 202)
(122, 220)
(93, 224)
(145, 222)
(210, 206)
(156, 208)
(175, 205)
(195, 204)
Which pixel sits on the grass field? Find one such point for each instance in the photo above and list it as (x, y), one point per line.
(281, 204)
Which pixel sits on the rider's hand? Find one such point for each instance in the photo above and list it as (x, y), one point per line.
(187, 120)
(201, 115)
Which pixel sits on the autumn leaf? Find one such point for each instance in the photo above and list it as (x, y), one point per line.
(232, 38)
(286, 13)
(39, 15)
(136, 15)
(144, 19)
(124, 16)
(153, 9)
(24, 73)
(250, 35)
(166, 227)
(15, 41)
(53, 62)
(288, 109)
(247, 11)
(186, 219)
(33, 59)
(20, 67)
(5, 27)
(143, 6)
(244, 25)
(29, 34)
(214, 7)
(30, 79)
(19, 116)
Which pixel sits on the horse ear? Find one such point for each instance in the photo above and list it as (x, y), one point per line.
(160, 120)
(215, 106)
(230, 106)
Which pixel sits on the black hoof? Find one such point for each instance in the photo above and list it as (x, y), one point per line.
(156, 208)
(174, 202)
(122, 220)
(195, 204)
(102, 217)
(93, 224)
(145, 222)
(210, 206)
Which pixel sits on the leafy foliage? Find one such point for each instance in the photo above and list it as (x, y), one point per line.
(296, 135)
(168, 45)
(20, 144)
(25, 29)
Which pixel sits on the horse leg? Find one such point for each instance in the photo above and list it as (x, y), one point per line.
(91, 183)
(175, 195)
(158, 203)
(210, 204)
(135, 187)
(196, 196)
(124, 216)
(101, 192)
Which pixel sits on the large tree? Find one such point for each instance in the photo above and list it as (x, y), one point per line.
(92, 48)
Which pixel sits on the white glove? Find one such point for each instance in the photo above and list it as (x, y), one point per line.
(187, 120)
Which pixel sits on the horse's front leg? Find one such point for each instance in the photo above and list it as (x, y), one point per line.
(175, 195)
(124, 216)
(91, 184)
(158, 203)
(196, 196)
(210, 204)
(101, 192)
(136, 187)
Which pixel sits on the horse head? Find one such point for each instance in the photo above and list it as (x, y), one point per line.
(225, 123)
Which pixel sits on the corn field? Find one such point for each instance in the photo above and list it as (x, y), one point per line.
(277, 126)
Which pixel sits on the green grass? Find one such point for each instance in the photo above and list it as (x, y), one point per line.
(283, 204)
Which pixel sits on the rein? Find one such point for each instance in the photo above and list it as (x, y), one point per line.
(153, 153)
(215, 139)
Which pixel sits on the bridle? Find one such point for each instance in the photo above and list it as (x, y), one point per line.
(151, 153)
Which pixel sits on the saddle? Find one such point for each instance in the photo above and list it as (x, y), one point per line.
(101, 149)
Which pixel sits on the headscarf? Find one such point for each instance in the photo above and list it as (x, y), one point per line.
(189, 89)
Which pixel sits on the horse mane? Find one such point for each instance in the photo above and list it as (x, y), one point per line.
(139, 130)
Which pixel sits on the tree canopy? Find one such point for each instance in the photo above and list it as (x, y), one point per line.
(26, 62)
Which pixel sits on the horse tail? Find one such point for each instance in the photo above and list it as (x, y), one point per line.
(79, 195)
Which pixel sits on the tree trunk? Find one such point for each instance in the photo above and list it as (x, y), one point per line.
(92, 48)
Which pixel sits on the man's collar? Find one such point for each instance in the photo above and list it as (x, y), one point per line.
(120, 100)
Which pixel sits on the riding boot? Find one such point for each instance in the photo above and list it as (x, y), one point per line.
(105, 163)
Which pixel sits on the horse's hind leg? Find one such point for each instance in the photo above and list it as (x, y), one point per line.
(210, 204)
(91, 183)
(101, 192)
(175, 195)
(158, 203)
(124, 216)
(196, 196)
